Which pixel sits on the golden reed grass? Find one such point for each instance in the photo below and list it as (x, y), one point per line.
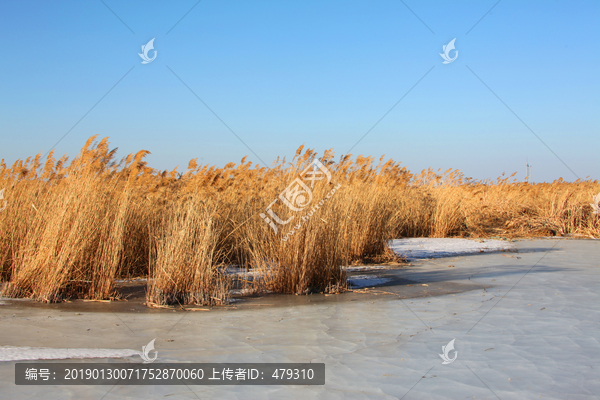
(72, 229)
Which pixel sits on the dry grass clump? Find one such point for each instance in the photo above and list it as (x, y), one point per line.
(71, 230)
(306, 254)
(349, 219)
(449, 205)
(70, 227)
(184, 251)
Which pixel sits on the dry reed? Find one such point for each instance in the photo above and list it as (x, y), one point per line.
(72, 229)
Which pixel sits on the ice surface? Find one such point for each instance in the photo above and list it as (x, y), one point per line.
(418, 248)
(360, 281)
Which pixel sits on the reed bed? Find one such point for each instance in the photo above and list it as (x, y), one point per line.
(184, 250)
(70, 230)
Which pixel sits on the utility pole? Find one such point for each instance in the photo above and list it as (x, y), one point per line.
(528, 175)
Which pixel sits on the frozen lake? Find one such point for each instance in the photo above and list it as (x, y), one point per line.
(526, 325)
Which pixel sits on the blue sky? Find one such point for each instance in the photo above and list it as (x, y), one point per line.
(320, 73)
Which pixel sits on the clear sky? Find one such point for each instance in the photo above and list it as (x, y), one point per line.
(283, 73)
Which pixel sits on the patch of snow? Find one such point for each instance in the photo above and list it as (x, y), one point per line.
(9, 353)
(237, 271)
(131, 280)
(240, 291)
(364, 268)
(360, 281)
(420, 248)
